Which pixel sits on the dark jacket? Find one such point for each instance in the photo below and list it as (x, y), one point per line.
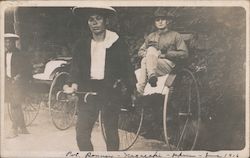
(20, 65)
(117, 65)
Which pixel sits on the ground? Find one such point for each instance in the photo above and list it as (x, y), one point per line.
(44, 137)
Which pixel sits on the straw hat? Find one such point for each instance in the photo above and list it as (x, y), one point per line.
(87, 10)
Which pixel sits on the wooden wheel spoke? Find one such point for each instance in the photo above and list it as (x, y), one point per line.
(182, 132)
(62, 111)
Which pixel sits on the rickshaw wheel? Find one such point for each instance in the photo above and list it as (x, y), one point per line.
(30, 107)
(129, 126)
(181, 112)
(62, 109)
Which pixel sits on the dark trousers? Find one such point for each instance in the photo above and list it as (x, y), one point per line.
(88, 114)
(15, 94)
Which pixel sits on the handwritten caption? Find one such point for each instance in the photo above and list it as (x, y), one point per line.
(156, 154)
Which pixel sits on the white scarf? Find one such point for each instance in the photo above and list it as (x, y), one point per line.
(98, 54)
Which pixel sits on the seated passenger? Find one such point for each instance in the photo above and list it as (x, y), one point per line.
(160, 51)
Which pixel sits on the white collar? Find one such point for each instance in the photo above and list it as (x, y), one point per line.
(110, 38)
(9, 52)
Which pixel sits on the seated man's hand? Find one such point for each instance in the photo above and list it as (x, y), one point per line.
(162, 56)
(153, 44)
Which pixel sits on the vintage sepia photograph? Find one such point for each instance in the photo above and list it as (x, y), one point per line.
(126, 79)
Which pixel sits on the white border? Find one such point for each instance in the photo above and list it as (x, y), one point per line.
(244, 4)
(169, 3)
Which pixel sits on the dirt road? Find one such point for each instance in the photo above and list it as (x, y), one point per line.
(44, 137)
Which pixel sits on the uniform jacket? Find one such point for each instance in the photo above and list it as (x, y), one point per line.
(169, 43)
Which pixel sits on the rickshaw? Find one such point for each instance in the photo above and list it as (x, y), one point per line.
(39, 86)
(181, 110)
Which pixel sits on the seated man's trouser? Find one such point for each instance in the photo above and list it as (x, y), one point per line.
(151, 65)
(15, 95)
(88, 114)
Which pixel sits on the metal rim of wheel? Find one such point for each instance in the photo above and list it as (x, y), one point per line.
(30, 111)
(62, 112)
(33, 108)
(126, 138)
(188, 116)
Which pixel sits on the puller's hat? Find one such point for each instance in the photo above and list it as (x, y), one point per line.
(88, 10)
(11, 36)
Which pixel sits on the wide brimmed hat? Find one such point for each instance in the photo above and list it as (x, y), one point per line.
(163, 12)
(88, 10)
(11, 36)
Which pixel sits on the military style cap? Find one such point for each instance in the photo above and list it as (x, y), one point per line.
(162, 12)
